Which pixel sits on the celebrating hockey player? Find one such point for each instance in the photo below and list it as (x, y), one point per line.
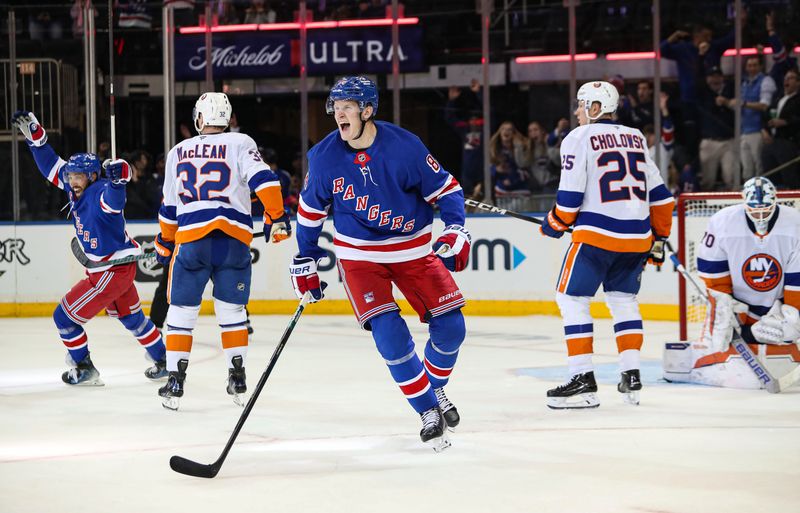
(96, 206)
(749, 259)
(382, 182)
(206, 230)
(612, 193)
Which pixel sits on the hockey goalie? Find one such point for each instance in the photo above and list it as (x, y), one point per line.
(749, 259)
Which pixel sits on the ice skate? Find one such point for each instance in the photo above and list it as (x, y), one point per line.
(157, 371)
(449, 410)
(82, 373)
(237, 387)
(172, 392)
(434, 429)
(629, 385)
(579, 392)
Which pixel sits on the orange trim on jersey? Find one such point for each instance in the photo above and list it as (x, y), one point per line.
(169, 278)
(792, 298)
(578, 346)
(723, 284)
(179, 342)
(272, 200)
(612, 243)
(772, 350)
(661, 218)
(168, 230)
(563, 280)
(629, 341)
(566, 217)
(236, 338)
(244, 236)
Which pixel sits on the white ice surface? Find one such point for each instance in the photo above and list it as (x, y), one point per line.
(332, 433)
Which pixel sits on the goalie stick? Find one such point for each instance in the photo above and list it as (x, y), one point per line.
(195, 469)
(772, 384)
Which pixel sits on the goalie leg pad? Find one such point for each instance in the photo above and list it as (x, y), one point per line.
(232, 320)
(447, 334)
(181, 320)
(72, 334)
(396, 346)
(578, 332)
(624, 309)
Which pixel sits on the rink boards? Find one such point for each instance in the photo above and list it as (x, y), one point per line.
(512, 271)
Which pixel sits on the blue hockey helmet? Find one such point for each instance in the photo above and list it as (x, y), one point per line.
(86, 163)
(358, 89)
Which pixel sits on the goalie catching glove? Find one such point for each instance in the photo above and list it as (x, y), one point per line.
(303, 272)
(27, 123)
(780, 325)
(456, 253)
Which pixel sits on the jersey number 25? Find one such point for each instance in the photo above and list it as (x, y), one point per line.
(203, 185)
(626, 163)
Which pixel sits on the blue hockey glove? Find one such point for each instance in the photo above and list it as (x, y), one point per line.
(277, 230)
(552, 226)
(303, 272)
(164, 250)
(27, 123)
(657, 253)
(118, 171)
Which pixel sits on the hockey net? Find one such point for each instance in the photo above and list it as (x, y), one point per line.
(694, 211)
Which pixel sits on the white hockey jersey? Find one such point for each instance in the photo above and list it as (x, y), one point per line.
(207, 187)
(611, 190)
(756, 270)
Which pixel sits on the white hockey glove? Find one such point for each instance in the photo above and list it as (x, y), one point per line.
(723, 309)
(27, 123)
(780, 325)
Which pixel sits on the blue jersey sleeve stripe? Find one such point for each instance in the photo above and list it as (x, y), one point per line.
(168, 212)
(712, 266)
(569, 199)
(628, 226)
(792, 279)
(261, 178)
(659, 193)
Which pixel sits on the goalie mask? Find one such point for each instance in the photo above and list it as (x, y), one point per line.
(601, 92)
(215, 108)
(760, 202)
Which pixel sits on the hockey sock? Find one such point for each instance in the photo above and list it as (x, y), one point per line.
(395, 344)
(447, 334)
(627, 327)
(181, 321)
(72, 335)
(232, 321)
(146, 333)
(578, 332)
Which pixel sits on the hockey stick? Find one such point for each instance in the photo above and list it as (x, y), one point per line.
(772, 385)
(195, 469)
(497, 210)
(84, 260)
(111, 80)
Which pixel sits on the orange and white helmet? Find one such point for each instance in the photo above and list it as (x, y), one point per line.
(601, 92)
(215, 108)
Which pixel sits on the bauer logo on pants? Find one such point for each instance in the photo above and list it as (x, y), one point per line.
(762, 272)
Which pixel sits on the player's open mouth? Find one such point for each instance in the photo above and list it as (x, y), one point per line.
(344, 127)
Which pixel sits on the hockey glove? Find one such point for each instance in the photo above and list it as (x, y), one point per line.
(657, 253)
(164, 250)
(118, 171)
(552, 226)
(303, 272)
(29, 126)
(781, 325)
(456, 255)
(278, 230)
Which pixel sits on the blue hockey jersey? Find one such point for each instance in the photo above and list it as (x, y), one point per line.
(382, 197)
(97, 214)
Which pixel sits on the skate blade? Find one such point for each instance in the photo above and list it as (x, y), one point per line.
(96, 382)
(631, 397)
(171, 403)
(239, 399)
(578, 402)
(439, 444)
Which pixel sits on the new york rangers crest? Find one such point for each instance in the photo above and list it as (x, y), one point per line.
(361, 159)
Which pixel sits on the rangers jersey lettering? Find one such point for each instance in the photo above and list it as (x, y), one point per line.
(611, 190)
(755, 270)
(207, 187)
(381, 197)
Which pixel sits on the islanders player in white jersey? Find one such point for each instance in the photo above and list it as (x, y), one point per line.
(206, 231)
(382, 184)
(749, 259)
(612, 194)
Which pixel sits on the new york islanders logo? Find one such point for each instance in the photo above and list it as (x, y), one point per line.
(762, 272)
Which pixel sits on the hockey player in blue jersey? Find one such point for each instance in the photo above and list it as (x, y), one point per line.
(382, 183)
(96, 206)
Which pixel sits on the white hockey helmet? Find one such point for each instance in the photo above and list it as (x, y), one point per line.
(760, 202)
(603, 93)
(215, 108)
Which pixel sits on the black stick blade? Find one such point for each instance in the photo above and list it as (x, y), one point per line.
(192, 468)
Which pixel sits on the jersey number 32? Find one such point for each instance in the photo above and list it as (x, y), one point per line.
(208, 183)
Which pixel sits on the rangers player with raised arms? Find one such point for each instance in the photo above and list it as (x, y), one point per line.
(612, 194)
(749, 259)
(382, 182)
(206, 231)
(96, 206)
